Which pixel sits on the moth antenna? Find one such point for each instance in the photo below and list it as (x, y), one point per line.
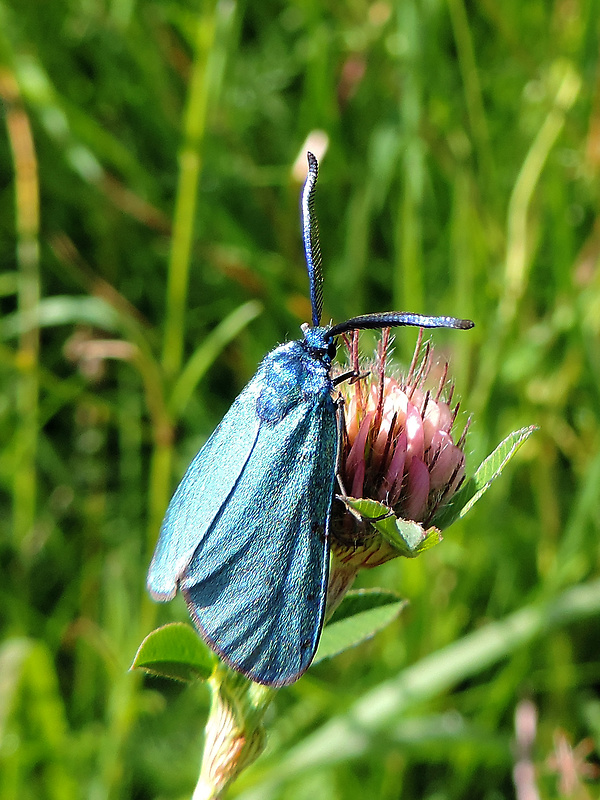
(393, 319)
(310, 237)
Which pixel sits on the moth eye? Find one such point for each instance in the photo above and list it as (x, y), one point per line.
(331, 349)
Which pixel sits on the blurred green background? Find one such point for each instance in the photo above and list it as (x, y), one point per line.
(150, 250)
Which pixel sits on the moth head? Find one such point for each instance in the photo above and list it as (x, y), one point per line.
(319, 342)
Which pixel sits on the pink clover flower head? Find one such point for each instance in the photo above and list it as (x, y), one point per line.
(398, 444)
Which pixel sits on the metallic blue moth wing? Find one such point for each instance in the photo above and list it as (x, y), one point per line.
(207, 483)
(253, 509)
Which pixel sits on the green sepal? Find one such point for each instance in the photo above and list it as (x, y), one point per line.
(405, 537)
(175, 651)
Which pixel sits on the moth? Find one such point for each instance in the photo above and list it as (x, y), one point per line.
(246, 535)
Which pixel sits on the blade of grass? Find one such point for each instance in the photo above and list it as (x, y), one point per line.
(473, 97)
(518, 259)
(207, 353)
(408, 270)
(27, 210)
(190, 170)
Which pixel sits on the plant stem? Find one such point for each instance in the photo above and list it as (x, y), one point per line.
(234, 736)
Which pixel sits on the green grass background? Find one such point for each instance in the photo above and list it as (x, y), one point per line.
(146, 198)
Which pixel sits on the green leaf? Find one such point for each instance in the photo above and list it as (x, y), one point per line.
(405, 537)
(61, 310)
(175, 651)
(360, 615)
(488, 471)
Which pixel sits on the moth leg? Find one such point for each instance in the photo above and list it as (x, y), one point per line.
(341, 426)
(352, 375)
(340, 423)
